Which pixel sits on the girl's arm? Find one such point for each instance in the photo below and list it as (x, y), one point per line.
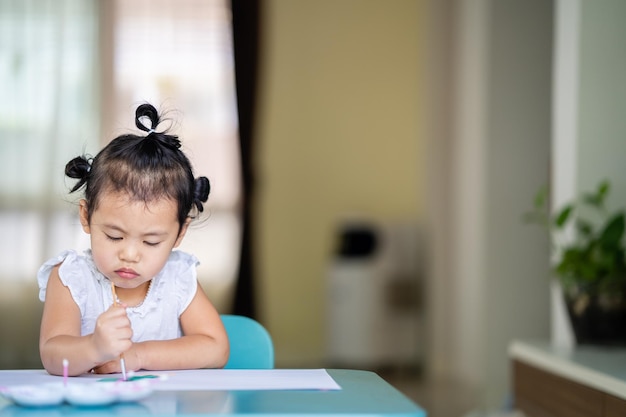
(60, 332)
(204, 343)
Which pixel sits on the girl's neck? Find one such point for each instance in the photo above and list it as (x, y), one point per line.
(134, 297)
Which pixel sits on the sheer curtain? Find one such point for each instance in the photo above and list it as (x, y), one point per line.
(48, 114)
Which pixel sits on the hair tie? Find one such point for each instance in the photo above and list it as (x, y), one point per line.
(150, 131)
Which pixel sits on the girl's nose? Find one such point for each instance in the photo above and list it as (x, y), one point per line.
(129, 253)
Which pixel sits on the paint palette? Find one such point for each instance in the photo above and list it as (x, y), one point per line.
(91, 394)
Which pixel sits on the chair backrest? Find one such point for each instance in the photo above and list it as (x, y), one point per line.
(251, 345)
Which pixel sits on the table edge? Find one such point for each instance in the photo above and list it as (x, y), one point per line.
(558, 365)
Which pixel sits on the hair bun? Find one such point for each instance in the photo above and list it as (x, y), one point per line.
(201, 192)
(147, 111)
(78, 168)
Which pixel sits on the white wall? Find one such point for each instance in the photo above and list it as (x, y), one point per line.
(579, 144)
(517, 163)
(602, 97)
(495, 279)
(590, 98)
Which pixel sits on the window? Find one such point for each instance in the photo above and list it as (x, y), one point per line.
(48, 114)
(72, 73)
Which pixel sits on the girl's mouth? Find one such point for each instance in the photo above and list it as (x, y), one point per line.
(126, 273)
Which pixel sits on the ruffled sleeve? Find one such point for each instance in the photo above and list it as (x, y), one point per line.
(75, 272)
(43, 275)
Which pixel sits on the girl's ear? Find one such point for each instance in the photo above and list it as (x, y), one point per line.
(183, 231)
(84, 216)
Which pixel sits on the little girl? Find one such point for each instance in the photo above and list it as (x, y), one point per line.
(140, 196)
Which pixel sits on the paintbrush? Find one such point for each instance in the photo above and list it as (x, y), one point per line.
(66, 365)
(115, 303)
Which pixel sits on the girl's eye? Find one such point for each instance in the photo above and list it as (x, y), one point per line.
(113, 238)
(152, 243)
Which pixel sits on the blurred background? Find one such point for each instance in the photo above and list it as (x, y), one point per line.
(368, 209)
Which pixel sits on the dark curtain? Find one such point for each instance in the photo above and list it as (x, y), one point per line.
(245, 15)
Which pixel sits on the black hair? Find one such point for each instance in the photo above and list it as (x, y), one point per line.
(146, 167)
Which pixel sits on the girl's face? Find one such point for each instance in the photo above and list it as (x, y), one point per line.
(131, 240)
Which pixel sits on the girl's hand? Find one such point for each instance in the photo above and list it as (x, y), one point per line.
(112, 334)
(131, 362)
(110, 367)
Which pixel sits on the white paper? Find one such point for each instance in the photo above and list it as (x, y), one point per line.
(198, 379)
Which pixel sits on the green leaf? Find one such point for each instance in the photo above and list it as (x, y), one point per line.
(584, 228)
(611, 236)
(596, 260)
(598, 197)
(593, 200)
(563, 216)
(603, 190)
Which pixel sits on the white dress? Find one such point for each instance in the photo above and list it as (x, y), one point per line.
(156, 318)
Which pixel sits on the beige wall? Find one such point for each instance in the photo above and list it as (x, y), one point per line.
(339, 134)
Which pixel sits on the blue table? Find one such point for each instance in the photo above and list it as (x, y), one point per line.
(363, 393)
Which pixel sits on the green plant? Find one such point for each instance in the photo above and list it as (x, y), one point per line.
(592, 261)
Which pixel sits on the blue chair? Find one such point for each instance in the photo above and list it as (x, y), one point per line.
(251, 345)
